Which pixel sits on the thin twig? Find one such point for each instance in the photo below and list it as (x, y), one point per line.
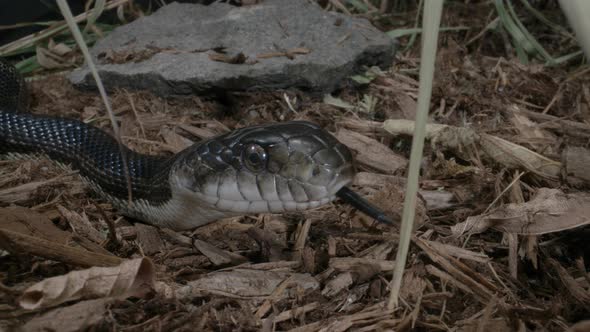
(135, 113)
(19, 243)
(110, 224)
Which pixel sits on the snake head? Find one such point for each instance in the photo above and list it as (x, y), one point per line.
(278, 167)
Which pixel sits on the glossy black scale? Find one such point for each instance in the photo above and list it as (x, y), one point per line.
(93, 152)
(88, 149)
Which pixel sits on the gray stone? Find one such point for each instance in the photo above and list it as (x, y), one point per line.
(169, 52)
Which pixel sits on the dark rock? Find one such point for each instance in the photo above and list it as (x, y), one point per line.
(188, 48)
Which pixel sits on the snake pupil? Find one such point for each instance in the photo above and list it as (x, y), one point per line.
(255, 157)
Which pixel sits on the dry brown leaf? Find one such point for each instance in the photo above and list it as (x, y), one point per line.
(26, 221)
(243, 283)
(131, 278)
(497, 149)
(58, 48)
(549, 211)
(516, 156)
(48, 59)
(530, 131)
(77, 317)
(370, 152)
(218, 256)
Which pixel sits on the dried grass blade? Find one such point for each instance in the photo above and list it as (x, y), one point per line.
(431, 24)
(67, 13)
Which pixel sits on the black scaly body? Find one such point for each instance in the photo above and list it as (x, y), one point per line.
(277, 167)
(88, 149)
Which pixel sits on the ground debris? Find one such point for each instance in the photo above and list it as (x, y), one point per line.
(148, 239)
(76, 317)
(130, 278)
(244, 284)
(501, 243)
(549, 211)
(371, 153)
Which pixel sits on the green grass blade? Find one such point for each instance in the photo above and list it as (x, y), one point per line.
(565, 58)
(519, 40)
(416, 24)
(555, 27)
(538, 49)
(410, 31)
(99, 7)
(358, 5)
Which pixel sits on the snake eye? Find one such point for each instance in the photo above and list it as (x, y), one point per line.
(254, 157)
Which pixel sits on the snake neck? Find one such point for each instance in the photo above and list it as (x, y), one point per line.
(95, 154)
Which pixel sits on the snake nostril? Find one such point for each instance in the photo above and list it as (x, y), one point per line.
(316, 170)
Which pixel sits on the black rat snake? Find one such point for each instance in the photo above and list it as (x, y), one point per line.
(277, 167)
